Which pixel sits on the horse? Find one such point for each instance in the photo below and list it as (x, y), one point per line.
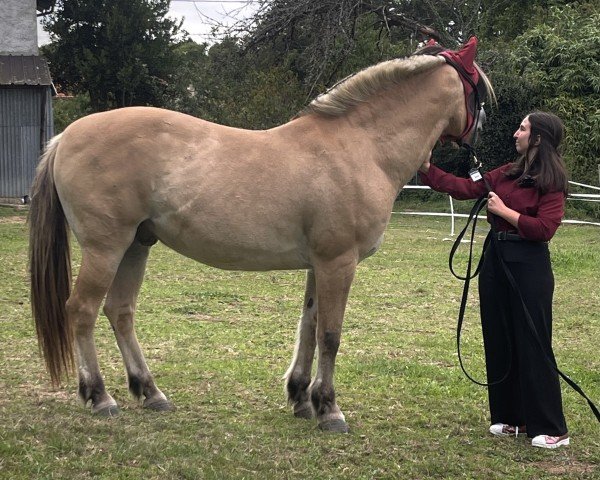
(315, 193)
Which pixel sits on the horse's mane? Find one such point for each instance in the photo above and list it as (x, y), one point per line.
(358, 87)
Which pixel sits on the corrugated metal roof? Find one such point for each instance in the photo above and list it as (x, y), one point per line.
(24, 70)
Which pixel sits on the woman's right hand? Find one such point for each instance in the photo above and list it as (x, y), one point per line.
(426, 164)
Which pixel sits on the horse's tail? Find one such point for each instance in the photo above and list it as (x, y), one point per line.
(50, 269)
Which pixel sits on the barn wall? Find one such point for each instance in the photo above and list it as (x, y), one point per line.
(21, 136)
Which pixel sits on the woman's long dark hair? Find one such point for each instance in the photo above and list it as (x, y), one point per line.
(547, 171)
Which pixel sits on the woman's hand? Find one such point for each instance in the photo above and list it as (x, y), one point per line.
(496, 206)
(426, 164)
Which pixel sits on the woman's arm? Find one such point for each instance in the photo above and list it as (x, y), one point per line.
(543, 225)
(459, 188)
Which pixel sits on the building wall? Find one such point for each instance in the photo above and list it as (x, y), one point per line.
(18, 27)
(21, 138)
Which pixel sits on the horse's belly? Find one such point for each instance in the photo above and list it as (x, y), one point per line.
(236, 250)
(244, 260)
(248, 261)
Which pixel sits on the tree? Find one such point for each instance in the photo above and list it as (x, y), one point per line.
(322, 34)
(325, 33)
(192, 82)
(120, 53)
(223, 85)
(559, 59)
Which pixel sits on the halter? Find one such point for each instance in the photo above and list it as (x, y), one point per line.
(470, 89)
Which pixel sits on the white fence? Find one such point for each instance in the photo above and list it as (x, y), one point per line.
(584, 197)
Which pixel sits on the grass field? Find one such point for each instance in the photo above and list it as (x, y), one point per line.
(219, 342)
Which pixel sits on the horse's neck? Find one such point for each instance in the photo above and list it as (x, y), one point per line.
(402, 125)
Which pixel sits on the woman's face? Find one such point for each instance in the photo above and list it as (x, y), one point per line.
(521, 136)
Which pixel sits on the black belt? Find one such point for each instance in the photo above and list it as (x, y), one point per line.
(509, 237)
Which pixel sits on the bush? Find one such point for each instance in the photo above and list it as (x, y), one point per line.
(69, 109)
(559, 59)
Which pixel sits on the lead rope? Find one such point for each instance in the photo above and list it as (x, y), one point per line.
(481, 202)
(473, 215)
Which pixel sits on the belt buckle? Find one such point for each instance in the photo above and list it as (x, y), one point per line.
(502, 235)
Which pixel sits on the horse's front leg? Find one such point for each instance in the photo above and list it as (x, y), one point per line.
(333, 280)
(297, 378)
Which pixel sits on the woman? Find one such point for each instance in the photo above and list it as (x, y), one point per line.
(525, 204)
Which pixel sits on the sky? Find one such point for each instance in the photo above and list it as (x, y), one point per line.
(196, 16)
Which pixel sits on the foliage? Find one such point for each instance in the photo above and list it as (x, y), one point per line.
(119, 53)
(223, 85)
(325, 33)
(69, 109)
(560, 60)
(192, 82)
(552, 66)
(218, 343)
(504, 20)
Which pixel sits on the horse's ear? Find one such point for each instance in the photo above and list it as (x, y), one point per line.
(468, 51)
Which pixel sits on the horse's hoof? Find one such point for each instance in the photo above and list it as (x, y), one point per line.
(305, 412)
(107, 411)
(159, 405)
(335, 426)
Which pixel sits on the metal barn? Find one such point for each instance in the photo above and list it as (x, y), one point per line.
(26, 121)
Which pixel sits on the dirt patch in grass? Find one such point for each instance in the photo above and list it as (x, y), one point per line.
(569, 469)
(17, 219)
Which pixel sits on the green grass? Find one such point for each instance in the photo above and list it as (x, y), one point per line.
(219, 342)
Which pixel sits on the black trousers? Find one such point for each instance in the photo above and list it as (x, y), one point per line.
(531, 394)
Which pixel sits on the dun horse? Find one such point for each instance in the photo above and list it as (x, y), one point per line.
(315, 193)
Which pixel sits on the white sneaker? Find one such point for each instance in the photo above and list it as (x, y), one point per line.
(504, 430)
(548, 441)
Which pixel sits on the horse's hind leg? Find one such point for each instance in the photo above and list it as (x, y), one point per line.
(298, 375)
(98, 267)
(120, 310)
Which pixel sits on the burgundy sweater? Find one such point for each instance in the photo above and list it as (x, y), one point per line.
(541, 214)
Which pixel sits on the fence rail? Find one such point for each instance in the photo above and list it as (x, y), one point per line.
(585, 197)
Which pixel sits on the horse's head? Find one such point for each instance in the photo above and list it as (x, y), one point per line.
(477, 87)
